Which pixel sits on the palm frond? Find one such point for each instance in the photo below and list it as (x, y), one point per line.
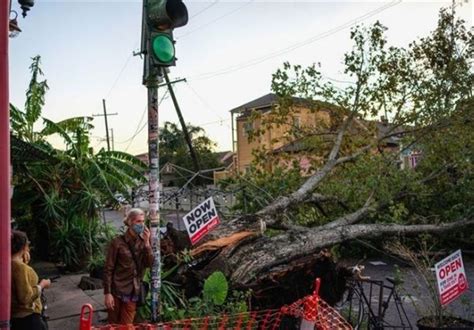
(35, 93)
(17, 120)
(53, 128)
(124, 168)
(74, 123)
(123, 156)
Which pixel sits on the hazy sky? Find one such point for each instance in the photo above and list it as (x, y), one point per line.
(227, 52)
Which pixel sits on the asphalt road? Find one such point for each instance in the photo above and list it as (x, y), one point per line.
(414, 294)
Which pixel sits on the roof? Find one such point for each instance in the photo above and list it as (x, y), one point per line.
(223, 155)
(263, 101)
(384, 128)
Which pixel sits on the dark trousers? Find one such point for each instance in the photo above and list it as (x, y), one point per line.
(30, 322)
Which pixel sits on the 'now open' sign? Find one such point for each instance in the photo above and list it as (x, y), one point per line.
(451, 277)
(201, 220)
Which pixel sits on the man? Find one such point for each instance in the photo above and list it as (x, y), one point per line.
(128, 256)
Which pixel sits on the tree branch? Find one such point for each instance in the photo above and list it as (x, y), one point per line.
(292, 245)
(351, 218)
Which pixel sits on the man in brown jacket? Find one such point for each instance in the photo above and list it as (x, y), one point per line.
(128, 256)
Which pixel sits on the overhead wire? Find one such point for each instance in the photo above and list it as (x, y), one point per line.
(215, 20)
(206, 104)
(319, 36)
(136, 130)
(221, 121)
(204, 9)
(254, 61)
(124, 66)
(144, 125)
(121, 71)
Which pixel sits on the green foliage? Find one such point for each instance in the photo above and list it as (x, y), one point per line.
(61, 196)
(173, 148)
(72, 240)
(258, 187)
(22, 122)
(215, 289)
(96, 261)
(214, 300)
(424, 91)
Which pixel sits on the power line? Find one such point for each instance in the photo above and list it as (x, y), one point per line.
(215, 122)
(204, 9)
(136, 130)
(140, 128)
(207, 105)
(294, 46)
(144, 125)
(135, 135)
(203, 101)
(121, 71)
(215, 20)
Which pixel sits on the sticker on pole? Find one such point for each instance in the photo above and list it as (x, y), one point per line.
(201, 220)
(451, 277)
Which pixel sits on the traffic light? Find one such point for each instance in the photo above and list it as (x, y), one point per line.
(162, 17)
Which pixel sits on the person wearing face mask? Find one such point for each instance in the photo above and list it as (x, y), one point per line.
(26, 291)
(127, 258)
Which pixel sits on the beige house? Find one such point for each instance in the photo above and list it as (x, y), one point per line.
(250, 117)
(256, 127)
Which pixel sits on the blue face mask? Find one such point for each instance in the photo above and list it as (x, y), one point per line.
(138, 228)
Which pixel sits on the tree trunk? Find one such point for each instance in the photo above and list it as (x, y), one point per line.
(282, 268)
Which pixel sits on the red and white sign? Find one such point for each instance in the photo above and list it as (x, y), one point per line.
(451, 277)
(201, 220)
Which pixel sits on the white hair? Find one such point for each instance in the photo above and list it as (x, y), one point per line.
(131, 214)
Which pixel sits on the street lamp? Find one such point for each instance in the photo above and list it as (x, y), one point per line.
(25, 6)
(13, 27)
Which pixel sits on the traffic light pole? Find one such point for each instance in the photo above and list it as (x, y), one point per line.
(159, 18)
(154, 194)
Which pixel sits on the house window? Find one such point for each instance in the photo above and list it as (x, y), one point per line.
(248, 128)
(411, 160)
(296, 122)
(414, 159)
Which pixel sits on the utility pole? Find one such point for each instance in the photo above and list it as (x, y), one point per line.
(187, 137)
(112, 138)
(106, 123)
(159, 18)
(153, 194)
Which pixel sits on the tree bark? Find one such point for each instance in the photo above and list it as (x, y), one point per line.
(250, 258)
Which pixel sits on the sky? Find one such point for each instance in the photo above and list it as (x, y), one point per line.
(227, 52)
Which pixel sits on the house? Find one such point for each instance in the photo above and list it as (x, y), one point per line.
(257, 114)
(168, 175)
(143, 157)
(227, 160)
(253, 130)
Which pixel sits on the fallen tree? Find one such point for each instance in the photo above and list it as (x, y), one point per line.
(426, 93)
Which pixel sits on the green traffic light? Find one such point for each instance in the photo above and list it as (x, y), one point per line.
(163, 48)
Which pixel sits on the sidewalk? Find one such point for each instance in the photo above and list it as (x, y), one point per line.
(65, 299)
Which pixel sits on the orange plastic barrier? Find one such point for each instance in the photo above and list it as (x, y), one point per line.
(86, 323)
(310, 308)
